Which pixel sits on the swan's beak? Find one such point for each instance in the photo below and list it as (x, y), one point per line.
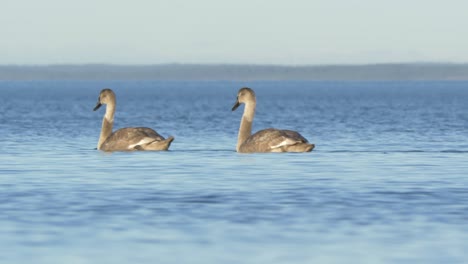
(236, 105)
(97, 106)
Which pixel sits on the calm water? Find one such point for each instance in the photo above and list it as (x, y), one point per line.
(387, 182)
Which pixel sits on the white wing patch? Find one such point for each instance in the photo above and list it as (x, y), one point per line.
(144, 141)
(285, 142)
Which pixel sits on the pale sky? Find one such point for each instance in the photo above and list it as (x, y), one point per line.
(292, 32)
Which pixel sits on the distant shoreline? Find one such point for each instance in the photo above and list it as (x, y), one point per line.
(236, 72)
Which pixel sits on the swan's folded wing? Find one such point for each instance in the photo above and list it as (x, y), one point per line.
(271, 140)
(130, 137)
(295, 135)
(150, 133)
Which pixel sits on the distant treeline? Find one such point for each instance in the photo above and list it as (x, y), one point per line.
(411, 71)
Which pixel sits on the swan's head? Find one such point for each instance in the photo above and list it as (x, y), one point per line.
(106, 96)
(245, 95)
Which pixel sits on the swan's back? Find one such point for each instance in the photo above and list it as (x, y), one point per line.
(135, 138)
(276, 140)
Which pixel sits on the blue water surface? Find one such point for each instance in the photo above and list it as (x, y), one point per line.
(386, 183)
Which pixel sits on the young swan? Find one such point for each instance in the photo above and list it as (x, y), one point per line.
(129, 138)
(267, 140)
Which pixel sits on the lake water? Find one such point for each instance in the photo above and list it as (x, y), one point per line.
(386, 183)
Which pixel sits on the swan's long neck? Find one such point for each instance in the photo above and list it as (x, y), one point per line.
(107, 124)
(245, 129)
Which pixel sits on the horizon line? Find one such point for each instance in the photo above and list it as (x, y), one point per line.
(428, 63)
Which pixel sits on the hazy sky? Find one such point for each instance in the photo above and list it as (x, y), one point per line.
(237, 31)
